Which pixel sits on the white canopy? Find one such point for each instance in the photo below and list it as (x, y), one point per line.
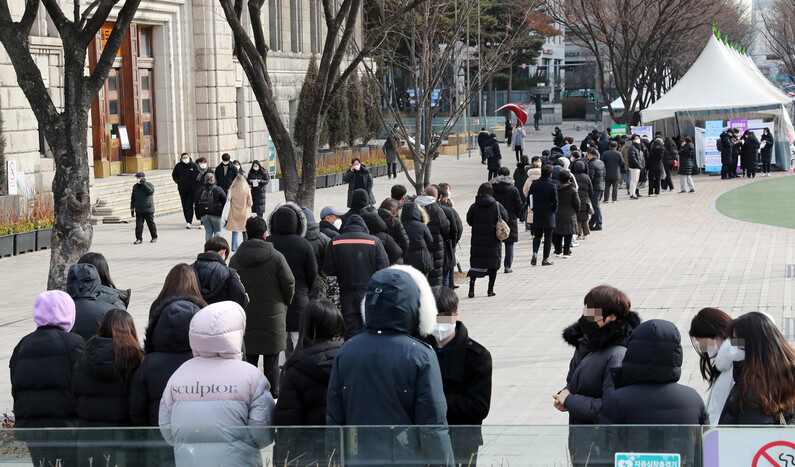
(721, 80)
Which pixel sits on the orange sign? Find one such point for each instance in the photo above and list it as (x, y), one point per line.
(104, 35)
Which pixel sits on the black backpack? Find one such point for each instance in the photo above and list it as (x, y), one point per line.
(718, 144)
(488, 152)
(206, 203)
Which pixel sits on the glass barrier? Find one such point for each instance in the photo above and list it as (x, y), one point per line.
(581, 445)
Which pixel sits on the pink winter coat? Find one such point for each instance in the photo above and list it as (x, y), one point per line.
(217, 389)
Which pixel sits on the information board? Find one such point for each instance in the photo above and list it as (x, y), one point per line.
(618, 130)
(637, 459)
(712, 162)
(642, 131)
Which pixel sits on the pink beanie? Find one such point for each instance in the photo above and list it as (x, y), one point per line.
(54, 308)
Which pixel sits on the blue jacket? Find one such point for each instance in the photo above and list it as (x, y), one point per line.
(387, 376)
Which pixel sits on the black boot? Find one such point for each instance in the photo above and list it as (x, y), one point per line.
(491, 288)
(471, 287)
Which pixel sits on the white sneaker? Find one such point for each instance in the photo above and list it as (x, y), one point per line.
(573, 244)
(187, 226)
(566, 256)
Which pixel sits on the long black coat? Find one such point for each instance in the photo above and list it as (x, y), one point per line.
(359, 179)
(456, 231)
(41, 378)
(520, 177)
(302, 396)
(506, 194)
(377, 228)
(485, 250)
(597, 172)
(83, 285)
(767, 151)
(655, 162)
(288, 227)
(319, 242)
(545, 203)
(493, 161)
(614, 164)
(258, 192)
(686, 159)
(167, 348)
(395, 228)
(439, 226)
(466, 377)
(102, 400)
(726, 144)
(568, 209)
(584, 188)
(225, 179)
(414, 220)
(270, 285)
(750, 151)
(217, 281)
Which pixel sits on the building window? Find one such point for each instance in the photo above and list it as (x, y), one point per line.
(296, 27)
(240, 110)
(313, 26)
(275, 24)
(145, 42)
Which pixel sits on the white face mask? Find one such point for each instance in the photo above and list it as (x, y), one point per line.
(225, 162)
(442, 331)
(202, 166)
(712, 350)
(256, 167)
(338, 224)
(185, 160)
(356, 167)
(449, 194)
(737, 353)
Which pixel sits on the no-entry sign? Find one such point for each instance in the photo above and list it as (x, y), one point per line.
(756, 447)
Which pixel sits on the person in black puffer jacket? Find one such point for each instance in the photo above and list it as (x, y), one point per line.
(302, 396)
(107, 291)
(670, 157)
(508, 196)
(566, 215)
(210, 206)
(377, 228)
(319, 242)
(687, 156)
(288, 227)
(359, 200)
(456, 231)
(647, 393)
(599, 339)
(354, 257)
(439, 226)
(218, 282)
(485, 251)
(167, 348)
(493, 156)
(415, 221)
(579, 170)
(358, 177)
(257, 178)
(83, 285)
(41, 376)
(655, 166)
(390, 214)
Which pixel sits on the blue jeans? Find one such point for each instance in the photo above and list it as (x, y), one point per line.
(508, 255)
(234, 241)
(212, 226)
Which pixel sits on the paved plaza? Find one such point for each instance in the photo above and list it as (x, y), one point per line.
(673, 255)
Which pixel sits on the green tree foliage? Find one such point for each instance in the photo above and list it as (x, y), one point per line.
(304, 104)
(337, 121)
(357, 127)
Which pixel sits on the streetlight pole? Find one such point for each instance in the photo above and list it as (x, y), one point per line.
(466, 87)
(480, 84)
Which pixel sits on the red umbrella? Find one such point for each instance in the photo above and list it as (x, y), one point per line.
(520, 114)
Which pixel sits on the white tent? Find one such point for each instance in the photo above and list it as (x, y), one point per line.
(723, 84)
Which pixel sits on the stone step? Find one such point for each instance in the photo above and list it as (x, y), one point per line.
(113, 196)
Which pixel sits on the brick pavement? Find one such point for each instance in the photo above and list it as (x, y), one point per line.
(673, 255)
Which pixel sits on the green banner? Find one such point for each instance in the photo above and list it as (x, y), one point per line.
(618, 130)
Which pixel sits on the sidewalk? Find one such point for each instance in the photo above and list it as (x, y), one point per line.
(673, 255)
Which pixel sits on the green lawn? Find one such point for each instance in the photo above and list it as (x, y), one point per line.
(766, 202)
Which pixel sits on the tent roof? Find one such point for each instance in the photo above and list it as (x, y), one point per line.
(720, 78)
(618, 104)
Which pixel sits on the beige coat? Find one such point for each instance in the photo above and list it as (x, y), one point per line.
(239, 211)
(533, 174)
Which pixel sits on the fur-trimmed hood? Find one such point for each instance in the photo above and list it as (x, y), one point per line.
(613, 333)
(414, 212)
(287, 218)
(400, 298)
(502, 179)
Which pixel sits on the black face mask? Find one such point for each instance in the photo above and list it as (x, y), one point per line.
(587, 326)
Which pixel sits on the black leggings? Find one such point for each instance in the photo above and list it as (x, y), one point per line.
(766, 167)
(547, 234)
(391, 169)
(519, 153)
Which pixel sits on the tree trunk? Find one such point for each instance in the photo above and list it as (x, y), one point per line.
(510, 89)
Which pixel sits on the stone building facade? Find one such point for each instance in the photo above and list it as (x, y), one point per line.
(175, 87)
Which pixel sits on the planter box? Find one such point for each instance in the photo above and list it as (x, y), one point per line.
(6, 245)
(25, 242)
(43, 239)
(321, 181)
(337, 179)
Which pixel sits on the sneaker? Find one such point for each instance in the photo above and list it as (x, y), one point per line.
(187, 226)
(574, 244)
(635, 197)
(567, 256)
(508, 270)
(154, 240)
(613, 201)
(546, 262)
(491, 294)
(692, 191)
(558, 254)
(595, 229)
(534, 261)
(483, 162)
(138, 241)
(683, 191)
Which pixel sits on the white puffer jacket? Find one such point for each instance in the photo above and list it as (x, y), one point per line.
(217, 390)
(724, 362)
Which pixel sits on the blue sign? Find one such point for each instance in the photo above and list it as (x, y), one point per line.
(635, 459)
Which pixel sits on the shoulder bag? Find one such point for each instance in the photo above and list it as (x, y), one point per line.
(502, 229)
